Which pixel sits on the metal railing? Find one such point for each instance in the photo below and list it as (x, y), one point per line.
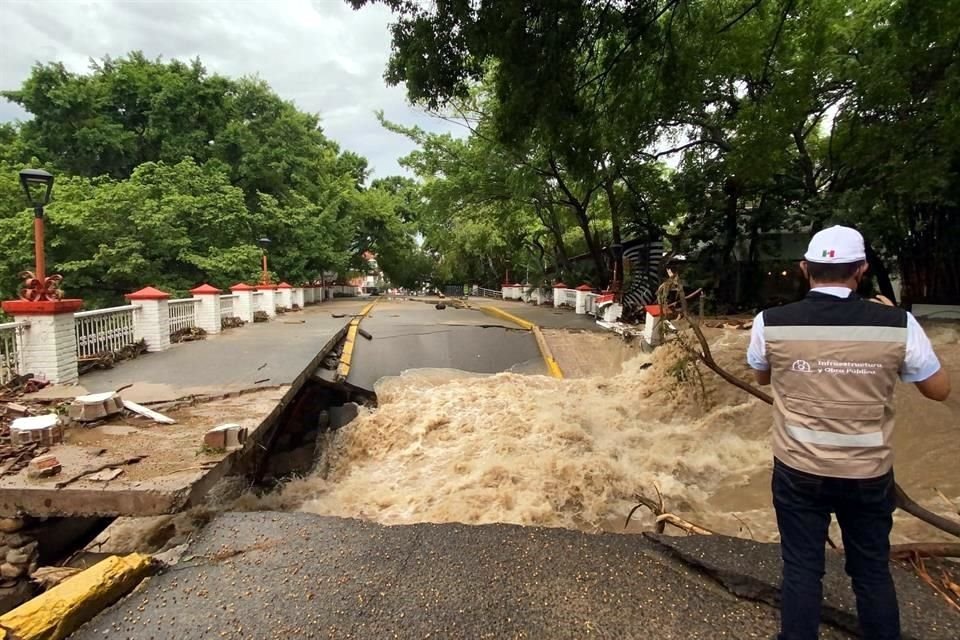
(257, 301)
(488, 293)
(10, 341)
(183, 314)
(104, 330)
(227, 306)
(570, 297)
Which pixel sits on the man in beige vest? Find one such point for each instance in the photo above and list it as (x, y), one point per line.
(833, 360)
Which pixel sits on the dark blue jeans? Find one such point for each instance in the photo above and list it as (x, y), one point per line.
(864, 511)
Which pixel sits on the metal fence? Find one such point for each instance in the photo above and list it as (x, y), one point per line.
(11, 334)
(488, 293)
(104, 330)
(227, 306)
(183, 314)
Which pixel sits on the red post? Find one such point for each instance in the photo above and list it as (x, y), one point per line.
(41, 263)
(264, 276)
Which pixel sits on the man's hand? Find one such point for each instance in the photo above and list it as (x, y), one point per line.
(883, 300)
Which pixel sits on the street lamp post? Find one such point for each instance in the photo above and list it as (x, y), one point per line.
(264, 274)
(37, 185)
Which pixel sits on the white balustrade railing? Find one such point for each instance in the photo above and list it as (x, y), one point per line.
(183, 314)
(104, 330)
(10, 342)
(257, 301)
(227, 306)
(570, 297)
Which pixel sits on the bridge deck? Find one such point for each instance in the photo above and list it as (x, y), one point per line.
(252, 372)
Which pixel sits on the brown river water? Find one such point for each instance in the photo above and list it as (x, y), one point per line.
(446, 446)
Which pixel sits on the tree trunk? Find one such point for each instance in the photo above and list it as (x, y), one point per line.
(880, 272)
(614, 203)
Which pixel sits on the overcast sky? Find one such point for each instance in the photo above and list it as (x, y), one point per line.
(321, 54)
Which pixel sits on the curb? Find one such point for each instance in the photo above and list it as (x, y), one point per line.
(552, 367)
(343, 370)
(55, 614)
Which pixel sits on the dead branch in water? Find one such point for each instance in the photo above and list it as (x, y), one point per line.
(663, 518)
(704, 354)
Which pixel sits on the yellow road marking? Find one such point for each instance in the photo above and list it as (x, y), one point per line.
(552, 367)
(343, 370)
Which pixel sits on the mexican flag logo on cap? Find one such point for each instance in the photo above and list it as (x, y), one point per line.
(829, 254)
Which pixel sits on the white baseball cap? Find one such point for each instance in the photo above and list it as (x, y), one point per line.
(836, 245)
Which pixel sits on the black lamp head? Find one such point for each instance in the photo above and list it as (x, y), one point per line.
(263, 242)
(37, 184)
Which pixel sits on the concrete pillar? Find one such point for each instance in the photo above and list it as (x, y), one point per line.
(243, 303)
(581, 304)
(284, 295)
(651, 331)
(208, 310)
(48, 348)
(151, 321)
(506, 291)
(558, 290)
(268, 301)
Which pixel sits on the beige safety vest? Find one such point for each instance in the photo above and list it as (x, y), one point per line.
(833, 386)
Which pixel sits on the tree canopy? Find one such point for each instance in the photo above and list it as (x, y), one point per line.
(166, 175)
(723, 124)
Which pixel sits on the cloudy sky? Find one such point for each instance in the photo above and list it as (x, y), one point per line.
(321, 54)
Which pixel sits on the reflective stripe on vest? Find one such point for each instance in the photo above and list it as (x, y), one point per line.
(836, 333)
(829, 438)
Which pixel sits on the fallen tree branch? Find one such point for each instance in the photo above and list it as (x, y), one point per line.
(904, 501)
(680, 523)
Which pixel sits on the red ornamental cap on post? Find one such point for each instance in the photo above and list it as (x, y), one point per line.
(584, 287)
(148, 293)
(242, 286)
(205, 289)
(284, 285)
(559, 285)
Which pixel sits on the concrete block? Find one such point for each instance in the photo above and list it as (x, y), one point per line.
(96, 406)
(46, 429)
(225, 436)
(44, 467)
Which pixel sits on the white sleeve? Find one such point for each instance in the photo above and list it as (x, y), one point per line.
(757, 351)
(920, 361)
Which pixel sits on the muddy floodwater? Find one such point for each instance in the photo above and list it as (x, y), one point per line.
(445, 446)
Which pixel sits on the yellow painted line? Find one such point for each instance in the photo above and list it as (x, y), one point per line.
(504, 315)
(57, 613)
(552, 367)
(343, 370)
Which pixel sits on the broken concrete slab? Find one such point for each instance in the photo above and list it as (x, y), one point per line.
(752, 570)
